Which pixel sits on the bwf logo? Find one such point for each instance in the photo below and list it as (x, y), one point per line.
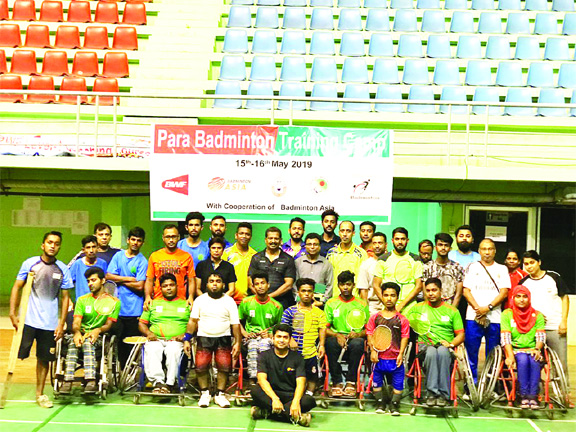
(177, 184)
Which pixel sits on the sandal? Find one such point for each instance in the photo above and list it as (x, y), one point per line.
(349, 390)
(157, 388)
(164, 389)
(336, 391)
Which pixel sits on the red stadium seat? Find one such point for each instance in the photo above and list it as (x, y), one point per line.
(4, 10)
(73, 84)
(85, 64)
(96, 38)
(106, 13)
(37, 36)
(11, 82)
(10, 35)
(79, 11)
(3, 66)
(125, 38)
(23, 62)
(24, 10)
(106, 85)
(115, 65)
(41, 83)
(55, 63)
(51, 11)
(134, 13)
(67, 37)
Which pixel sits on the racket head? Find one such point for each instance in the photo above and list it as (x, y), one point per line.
(403, 273)
(104, 305)
(382, 338)
(135, 340)
(356, 320)
(419, 322)
(110, 287)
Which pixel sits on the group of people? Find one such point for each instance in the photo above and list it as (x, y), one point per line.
(289, 306)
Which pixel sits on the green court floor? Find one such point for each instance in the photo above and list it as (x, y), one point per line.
(119, 414)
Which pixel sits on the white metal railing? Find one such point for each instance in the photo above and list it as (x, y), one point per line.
(97, 109)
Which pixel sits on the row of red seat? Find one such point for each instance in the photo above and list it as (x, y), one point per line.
(85, 64)
(78, 11)
(14, 82)
(68, 37)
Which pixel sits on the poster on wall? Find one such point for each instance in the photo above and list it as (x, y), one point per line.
(270, 173)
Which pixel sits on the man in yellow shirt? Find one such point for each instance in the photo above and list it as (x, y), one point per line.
(346, 256)
(239, 255)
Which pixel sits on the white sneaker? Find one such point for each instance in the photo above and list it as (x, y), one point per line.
(205, 399)
(221, 400)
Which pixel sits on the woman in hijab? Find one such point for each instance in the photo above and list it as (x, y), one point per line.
(523, 337)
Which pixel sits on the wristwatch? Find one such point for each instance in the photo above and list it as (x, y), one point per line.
(490, 306)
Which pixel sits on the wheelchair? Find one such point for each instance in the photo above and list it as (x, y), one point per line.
(362, 376)
(498, 384)
(107, 370)
(133, 379)
(460, 373)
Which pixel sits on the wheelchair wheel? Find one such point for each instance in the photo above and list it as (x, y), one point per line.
(467, 371)
(361, 405)
(129, 376)
(558, 381)
(136, 399)
(181, 400)
(112, 364)
(489, 377)
(455, 412)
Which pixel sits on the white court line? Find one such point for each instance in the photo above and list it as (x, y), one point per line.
(534, 425)
(22, 421)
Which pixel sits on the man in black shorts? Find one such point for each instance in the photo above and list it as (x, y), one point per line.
(281, 382)
(43, 322)
(213, 316)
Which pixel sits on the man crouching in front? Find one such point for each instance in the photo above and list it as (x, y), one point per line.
(282, 382)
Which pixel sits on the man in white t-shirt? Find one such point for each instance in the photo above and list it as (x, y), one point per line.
(366, 273)
(486, 286)
(213, 314)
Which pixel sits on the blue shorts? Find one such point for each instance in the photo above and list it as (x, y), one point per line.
(388, 368)
(312, 371)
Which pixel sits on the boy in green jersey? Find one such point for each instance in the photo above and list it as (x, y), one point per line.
(90, 320)
(347, 317)
(445, 332)
(164, 325)
(258, 314)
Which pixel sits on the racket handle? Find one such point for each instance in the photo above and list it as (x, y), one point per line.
(341, 356)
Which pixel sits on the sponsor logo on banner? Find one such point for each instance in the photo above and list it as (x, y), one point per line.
(279, 188)
(219, 183)
(177, 184)
(319, 185)
(360, 188)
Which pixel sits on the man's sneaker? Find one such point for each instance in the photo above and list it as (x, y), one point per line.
(441, 402)
(221, 400)
(44, 402)
(205, 399)
(305, 419)
(395, 408)
(258, 413)
(91, 387)
(431, 401)
(466, 397)
(66, 388)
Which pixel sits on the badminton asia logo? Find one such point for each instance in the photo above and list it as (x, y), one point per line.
(177, 184)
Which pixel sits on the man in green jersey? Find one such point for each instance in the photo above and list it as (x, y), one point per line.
(164, 325)
(445, 332)
(88, 324)
(347, 317)
(258, 314)
(401, 267)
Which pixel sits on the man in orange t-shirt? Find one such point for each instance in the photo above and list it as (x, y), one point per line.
(172, 260)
